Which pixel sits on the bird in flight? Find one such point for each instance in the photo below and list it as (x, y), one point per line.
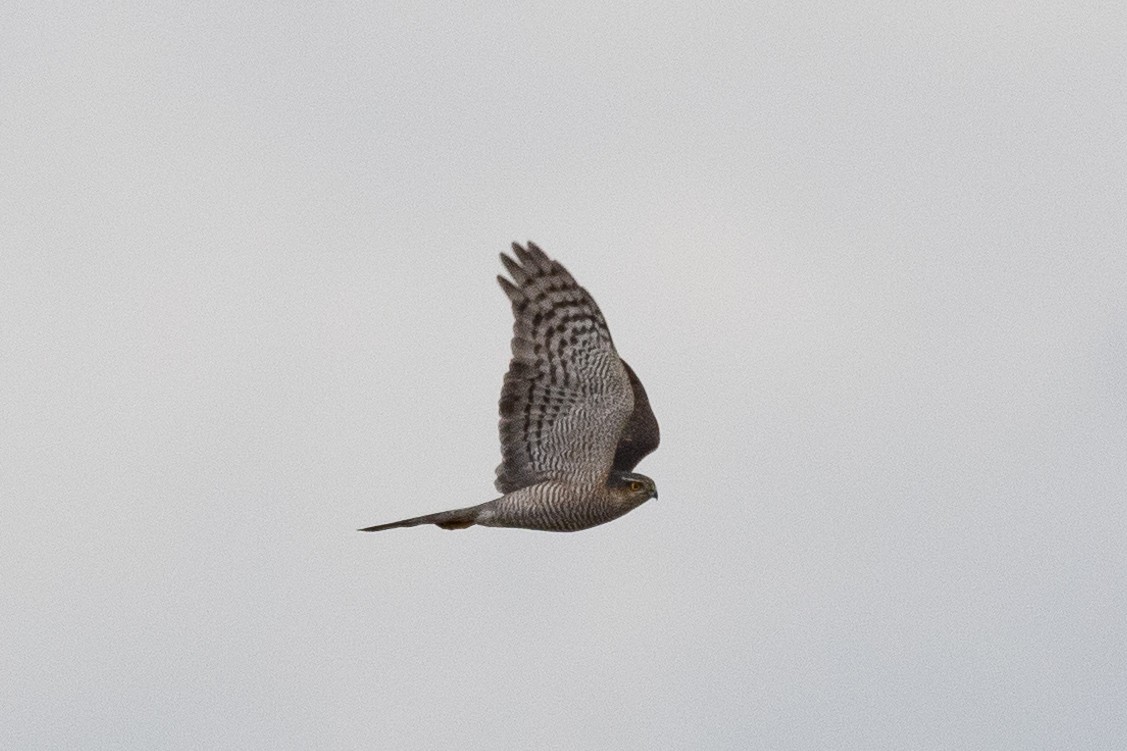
(575, 420)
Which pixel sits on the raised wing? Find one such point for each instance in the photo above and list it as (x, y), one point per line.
(567, 395)
(641, 434)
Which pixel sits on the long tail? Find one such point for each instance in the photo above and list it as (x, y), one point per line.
(458, 518)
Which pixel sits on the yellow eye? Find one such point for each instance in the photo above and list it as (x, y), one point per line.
(635, 486)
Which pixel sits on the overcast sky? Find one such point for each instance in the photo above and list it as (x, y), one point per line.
(869, 261)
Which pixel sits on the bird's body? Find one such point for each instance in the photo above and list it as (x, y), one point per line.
(552, 506)
(575, 419)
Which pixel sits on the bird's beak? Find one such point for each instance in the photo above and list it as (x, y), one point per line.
(655, 495)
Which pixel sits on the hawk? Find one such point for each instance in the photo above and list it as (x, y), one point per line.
(575, 419)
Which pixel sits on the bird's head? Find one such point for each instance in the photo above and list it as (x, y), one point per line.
(631, 487)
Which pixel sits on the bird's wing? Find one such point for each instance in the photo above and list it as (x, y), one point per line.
(567, 395)
(641, 434)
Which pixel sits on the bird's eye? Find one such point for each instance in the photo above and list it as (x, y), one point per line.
(635, 486)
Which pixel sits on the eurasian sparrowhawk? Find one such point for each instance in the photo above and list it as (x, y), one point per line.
(575, 420)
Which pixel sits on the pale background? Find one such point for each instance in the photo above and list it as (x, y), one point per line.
(869, 262)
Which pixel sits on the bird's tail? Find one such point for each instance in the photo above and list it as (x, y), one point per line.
(458, 518)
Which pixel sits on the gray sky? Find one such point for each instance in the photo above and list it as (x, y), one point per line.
(868, 260)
